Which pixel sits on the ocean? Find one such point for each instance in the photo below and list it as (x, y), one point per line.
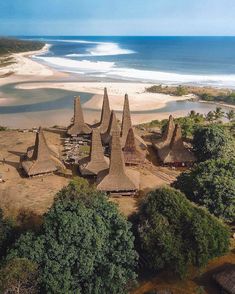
(206, 61)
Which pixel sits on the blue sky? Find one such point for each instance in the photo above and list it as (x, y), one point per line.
(117, 17)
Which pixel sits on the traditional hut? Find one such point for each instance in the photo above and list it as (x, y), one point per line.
(171, 149)
(226, 279)
(40, 160)
(126, 120)
(113, 127)
(132, 154)
(127, 125)
(78, 127)
(96, 161)
(116, 179)
(167, 135)
(105, 114)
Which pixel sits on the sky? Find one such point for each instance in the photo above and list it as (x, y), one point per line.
(117, 17)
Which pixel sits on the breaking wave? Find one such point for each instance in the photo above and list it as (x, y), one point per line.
(110, 69)
(103, 49)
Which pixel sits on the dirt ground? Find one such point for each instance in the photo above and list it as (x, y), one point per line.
(36, 194)
(19, 192)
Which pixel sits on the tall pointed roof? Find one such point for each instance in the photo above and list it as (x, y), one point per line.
(167, 135)
(113, 127)
(132, 155)
(79, 127)
(41, 161)
(126, 120)
(115, 178)
(96, 161)
(105, 114)
(175, 151)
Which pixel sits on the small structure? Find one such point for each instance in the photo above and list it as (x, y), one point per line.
(78, 127)
(171, 149)
(226, 279)
(96, 161)
(127, 125)
(39, 159)
(132, 154)
(105, 114)
(113, 127)
(117, 179)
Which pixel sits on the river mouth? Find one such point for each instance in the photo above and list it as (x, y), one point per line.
(40, 100)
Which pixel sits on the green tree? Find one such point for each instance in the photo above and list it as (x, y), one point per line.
(210, 116)
(19, 276)
(218, 113)
(211, 142)
(211, 184)
(181, 91)
(86, 245)
(171, 232)
(7, 234)
(230, 115)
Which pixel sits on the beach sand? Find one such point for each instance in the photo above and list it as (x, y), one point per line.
(30, 72)
(139, 99)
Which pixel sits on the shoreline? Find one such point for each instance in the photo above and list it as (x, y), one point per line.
(29, 71)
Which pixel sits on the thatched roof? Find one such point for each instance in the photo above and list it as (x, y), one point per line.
(171, 148)
(126, 120)
(115, 179)
(79, 127)
(175, 151)
(105, 114)
(96, 161)
(113, 127)
(41, 161)
(167, 135)
(226, 279)
(127, 125)
(132, 154)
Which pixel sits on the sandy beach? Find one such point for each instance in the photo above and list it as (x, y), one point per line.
(34, 75)
(139, 99)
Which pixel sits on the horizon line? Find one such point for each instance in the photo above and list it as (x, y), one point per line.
(192, 36)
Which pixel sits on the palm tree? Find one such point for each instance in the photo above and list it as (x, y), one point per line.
(218, 113)
(230, 115)
(210, 116)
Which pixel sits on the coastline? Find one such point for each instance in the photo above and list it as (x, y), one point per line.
(30, 72)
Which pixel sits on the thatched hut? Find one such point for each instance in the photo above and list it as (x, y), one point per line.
(40, 160)
(78, 127)
(226, 279)
(105, 114)
(132, 154)
(171, 149)
(116, 179)
(112, 128)
(96, 161)
(127, 125)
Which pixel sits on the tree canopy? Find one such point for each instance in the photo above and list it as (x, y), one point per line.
(213, 141)
(85, 246)
(171, 230)
(7, 234)
(19, 275)
(211, 184)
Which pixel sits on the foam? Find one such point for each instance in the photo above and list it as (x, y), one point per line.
(111, 70)
(104, 49)
(86, 65)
